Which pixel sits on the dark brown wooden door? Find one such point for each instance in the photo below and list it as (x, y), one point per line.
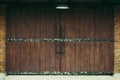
(85, 39)
(91, 26)
(31, 23)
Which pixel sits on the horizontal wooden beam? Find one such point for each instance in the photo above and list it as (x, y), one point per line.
(71, 4)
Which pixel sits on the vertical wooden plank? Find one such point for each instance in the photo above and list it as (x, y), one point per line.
(69, 28)
(26, 56)
(33, 19)
(18, 25)
(92, 57)
(47, 59)
(47, 35)
(22, 21)
(78, 57)
(47, 26)
(97, 58)
(58, 57)
(8, 32)
(57, 62)
(9, 56)
(87, 54)
(23, 61)
(12, 29)
(13, 67)
(102, 56)
(111, 57)
(97, 24)
(62, 34)
(106, 46)
(77, 22)
(30, 22)
(52, 23)
(34, 57)
(17, 56)
(37, 57)
(67, 56)
(52, 56)
(72, 57)
(91, 33)
(79, 34)
(42, 56)
(91, 22)
(43, 24)
(38, 22)
(82, 57)
(107, 57)
(27, 23)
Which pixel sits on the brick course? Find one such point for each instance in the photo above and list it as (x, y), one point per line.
(2, 38)
(117, 40)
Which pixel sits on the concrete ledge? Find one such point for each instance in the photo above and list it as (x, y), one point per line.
(2, 76)
(59, 77)
(117, 76)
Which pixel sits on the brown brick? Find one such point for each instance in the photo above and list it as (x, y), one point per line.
(2, 31)
(2, 67)
(2, 58)
(2, 38)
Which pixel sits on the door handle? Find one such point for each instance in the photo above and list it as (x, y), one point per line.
(59, 52)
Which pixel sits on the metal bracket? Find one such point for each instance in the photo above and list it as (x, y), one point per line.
(59, 73)
(58, 40)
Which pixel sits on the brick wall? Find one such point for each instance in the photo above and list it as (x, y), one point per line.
(2, 38)
(117, 41)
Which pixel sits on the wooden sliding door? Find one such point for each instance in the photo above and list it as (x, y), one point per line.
(74, 40)
(26, 26)
(90, 31)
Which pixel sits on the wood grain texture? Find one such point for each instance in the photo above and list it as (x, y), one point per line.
(30, 22)
(95, 23)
